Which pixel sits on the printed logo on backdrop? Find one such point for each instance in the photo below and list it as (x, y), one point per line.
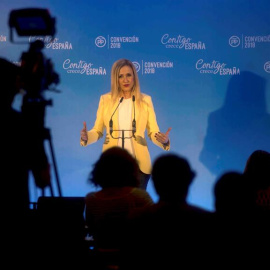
(247, 42)
(3, 38)
(150, 67)
(234, 41)
(115, 42)
(52, 43)
(137, 66)
(216, 68)
(100, 41)
(267, 66)
(181, 42)
(83, 67)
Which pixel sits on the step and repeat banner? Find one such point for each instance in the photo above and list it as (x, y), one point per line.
(206, 65)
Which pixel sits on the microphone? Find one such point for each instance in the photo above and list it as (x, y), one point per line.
(111, 121)
(134, 121)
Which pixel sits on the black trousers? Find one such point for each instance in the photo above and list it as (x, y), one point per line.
(144, 179)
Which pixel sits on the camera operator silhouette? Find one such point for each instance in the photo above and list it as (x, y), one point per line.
(26, 133)
(15, 171)
(36, 76)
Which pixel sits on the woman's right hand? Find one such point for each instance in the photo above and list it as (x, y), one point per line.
(84, 136)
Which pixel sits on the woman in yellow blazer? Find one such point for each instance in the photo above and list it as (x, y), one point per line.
(125, 113)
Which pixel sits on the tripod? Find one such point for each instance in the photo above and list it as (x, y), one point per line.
(33, 110)
(44, 135)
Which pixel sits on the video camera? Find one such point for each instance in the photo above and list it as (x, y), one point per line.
(31, 22)
(37, 73)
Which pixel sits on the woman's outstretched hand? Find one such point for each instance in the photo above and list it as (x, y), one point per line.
(163, 137)
(84, 136)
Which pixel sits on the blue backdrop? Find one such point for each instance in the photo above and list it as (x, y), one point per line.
(206, 65)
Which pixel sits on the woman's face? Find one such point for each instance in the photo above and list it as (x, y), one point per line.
(126, 79)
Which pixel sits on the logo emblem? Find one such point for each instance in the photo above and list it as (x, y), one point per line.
(267, 66)
(100, 41)
(137, 66)
(234, 41)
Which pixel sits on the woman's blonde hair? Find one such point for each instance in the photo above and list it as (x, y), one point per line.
(115, 88)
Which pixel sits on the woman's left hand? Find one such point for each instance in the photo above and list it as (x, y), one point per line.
(163, 137)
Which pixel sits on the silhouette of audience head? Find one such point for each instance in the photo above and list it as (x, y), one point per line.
(230, 193)
(116, 167)
(258, 167)
(257, 173)
(172, 176)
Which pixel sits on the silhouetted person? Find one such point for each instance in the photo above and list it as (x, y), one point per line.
(230, 196)
(238, 226)
(177, 231)
(15, 214)
(239, 127)
(18, 220)
(15, 181)
(257, 173)
(35, 77)
(232, 211)
(21, 152)
(116, 175)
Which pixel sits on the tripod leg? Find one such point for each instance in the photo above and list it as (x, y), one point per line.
(43, 191)
(51, 189)
(54, 163)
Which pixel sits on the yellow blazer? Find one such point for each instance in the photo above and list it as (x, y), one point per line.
(145, 120)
